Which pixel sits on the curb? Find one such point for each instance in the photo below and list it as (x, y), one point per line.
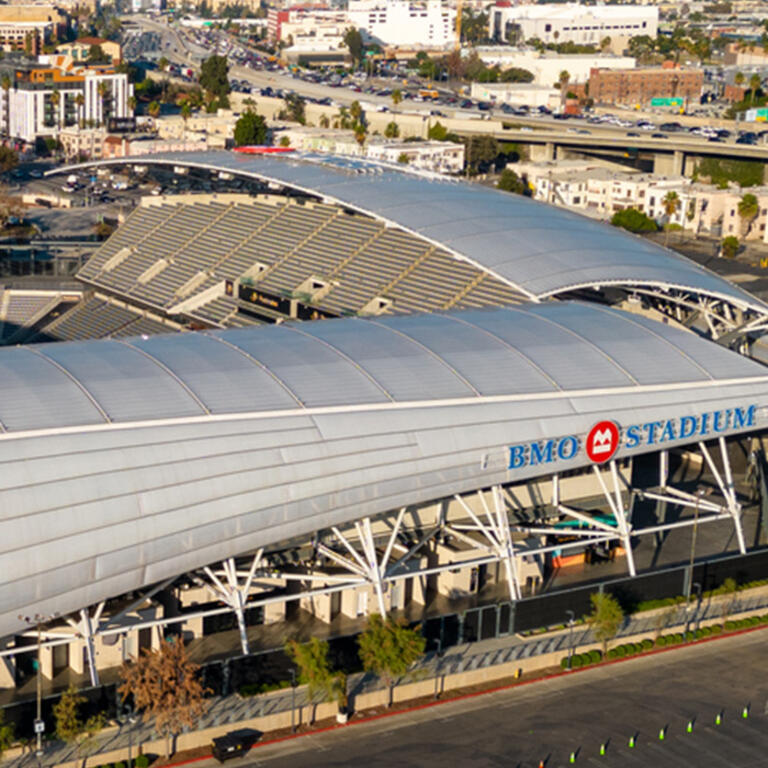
(476, 694)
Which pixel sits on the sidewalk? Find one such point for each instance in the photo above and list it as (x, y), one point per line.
(510, 651)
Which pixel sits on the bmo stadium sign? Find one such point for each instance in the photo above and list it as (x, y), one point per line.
(606, 437)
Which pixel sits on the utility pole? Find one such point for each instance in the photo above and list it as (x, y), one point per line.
(571, 620)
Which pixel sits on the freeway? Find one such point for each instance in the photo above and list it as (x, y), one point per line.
(548, 720)
(179, 48)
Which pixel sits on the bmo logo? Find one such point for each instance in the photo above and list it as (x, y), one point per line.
(602, 441)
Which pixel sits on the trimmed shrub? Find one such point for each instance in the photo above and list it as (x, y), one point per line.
(729, 625)
(595, 656)
(716, 629)
(564, 662)
(647, 644)
(754, 621)
(576, 661)
(142, 761)
(660, 641)
(611, 654)
(764, 619)
(119, 765)
(679, 637)
(621, 651)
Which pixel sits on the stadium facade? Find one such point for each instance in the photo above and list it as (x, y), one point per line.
(355, 464)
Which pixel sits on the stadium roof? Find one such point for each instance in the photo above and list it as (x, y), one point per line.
(539, 249)
(129, 462)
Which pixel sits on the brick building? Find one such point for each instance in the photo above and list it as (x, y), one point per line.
(638, 86)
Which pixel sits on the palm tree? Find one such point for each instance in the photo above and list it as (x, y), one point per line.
(748, 208)
(562, 81)
(5, 84)
(103, 91)
(754, 84)
(186, 113)
(671, 206)
(56, 101)
(80, 101)
(397, 96)
(739, 79)
(154, 108)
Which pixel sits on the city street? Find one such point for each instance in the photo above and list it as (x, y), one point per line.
(548, 720)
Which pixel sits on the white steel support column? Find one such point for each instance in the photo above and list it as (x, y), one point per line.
(616, 504)
(506, 546)
(369, 548)
(733, 507)
(84, 630)
(235, 594)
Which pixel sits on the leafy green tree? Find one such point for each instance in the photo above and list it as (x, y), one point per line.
(403, 159)
(397, 96)
(748, 208)
(392, 131)
(284, 141)
(509, 181)
(633, 221)
(481, 151)
(354, 42)
(214, 77)
(162, 63)
(388, 648)
(516, 75)
(6, 734)
(606, 617)
(295, 108)
(96, 55)
(754, 83)
(730, 246)
(437, 132)
(66, 712)
(474, 26)
(250, 128)
(8, 159)
(314, 668)
(154, 108)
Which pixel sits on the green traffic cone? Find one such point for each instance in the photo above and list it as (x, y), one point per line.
(745, 712)
(572, 758)
(689, 727)
(631, 742)
(661, 734)
(718, 718)
(602, 749)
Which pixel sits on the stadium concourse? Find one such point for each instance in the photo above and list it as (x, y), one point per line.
(493, 388)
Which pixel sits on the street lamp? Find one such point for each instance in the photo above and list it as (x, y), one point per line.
(39, 620)
(293, 700)
(571, 621)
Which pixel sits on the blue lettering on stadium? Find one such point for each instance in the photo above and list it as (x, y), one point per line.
(543, 452)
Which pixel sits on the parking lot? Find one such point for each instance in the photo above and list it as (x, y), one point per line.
(579, 713)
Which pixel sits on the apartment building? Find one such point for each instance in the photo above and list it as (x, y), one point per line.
(571, 22)
(52, 93)
(80, 49)
(638, 86)
(429, 24)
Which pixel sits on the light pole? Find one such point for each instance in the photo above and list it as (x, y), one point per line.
(39, 619)
(293, 700)
(571, 620)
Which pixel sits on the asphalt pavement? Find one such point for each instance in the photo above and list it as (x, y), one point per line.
(547, 721)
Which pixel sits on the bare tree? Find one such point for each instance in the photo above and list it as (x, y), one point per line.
(165, 686)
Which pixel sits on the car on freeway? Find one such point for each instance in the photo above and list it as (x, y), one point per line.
(659, 136)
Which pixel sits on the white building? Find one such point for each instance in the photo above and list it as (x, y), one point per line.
(435, 156)
(581, 24)
(42, 99)
(517, 94)
(546, 66)
(429, 24)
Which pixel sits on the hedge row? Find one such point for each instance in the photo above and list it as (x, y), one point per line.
(579, 660)
(255, 689)
(142, 761)
(664, 602)
(631, 649)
